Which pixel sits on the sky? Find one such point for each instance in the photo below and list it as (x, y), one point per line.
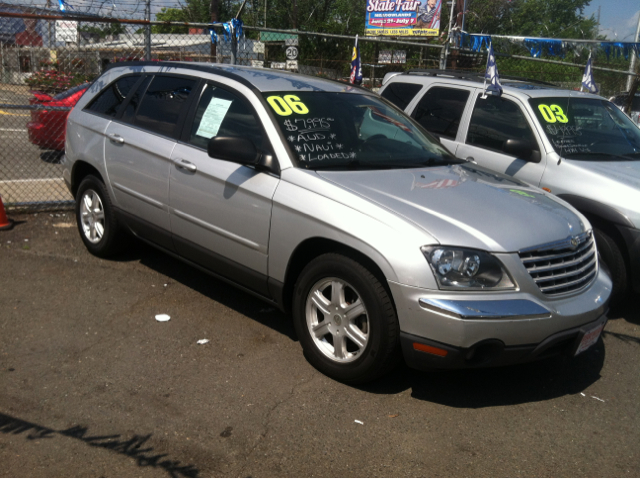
(618, 18)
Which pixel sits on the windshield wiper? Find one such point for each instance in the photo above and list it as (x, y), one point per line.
(387, 165)
(578, 156)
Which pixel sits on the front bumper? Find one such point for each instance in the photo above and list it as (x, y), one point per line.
(491, 352)
(512, 324)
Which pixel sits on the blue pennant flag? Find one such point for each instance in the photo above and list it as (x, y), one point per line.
(236, 23)
(492, 73)
(63, 5)
(587, 78)
(356, 66)
(227, 31)
(214, 36)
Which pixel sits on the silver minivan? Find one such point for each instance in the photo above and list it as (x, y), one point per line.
(331, 204)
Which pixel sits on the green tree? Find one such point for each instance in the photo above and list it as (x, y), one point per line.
(194, 11)
(539, 18)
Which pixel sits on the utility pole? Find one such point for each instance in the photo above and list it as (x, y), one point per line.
(445, 50)
(632, 65)
(147, 31)
(213, 9)
(234, 39)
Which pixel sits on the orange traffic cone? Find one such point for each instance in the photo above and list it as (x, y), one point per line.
(5, 223)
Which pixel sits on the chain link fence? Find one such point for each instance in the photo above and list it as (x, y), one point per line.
(47, 60)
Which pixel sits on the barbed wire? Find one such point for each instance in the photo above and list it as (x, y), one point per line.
(126, 9)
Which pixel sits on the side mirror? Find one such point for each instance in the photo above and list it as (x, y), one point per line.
(235, 149)
(524, 149)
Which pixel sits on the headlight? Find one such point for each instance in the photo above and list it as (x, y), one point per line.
(459, 268)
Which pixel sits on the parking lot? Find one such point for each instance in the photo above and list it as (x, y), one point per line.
(27, 174)
(93, 385)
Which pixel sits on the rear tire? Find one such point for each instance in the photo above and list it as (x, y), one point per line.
(345, 320)
(614, 263)
(97, 223)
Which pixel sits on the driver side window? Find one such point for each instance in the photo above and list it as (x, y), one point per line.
(222, 113)
(496, 120)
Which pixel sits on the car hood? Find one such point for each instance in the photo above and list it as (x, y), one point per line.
(466, 205)
(624, 172)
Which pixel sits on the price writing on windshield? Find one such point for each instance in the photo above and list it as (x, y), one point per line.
(285, 106)
(552, 113)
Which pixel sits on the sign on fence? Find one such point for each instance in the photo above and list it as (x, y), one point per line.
(292, 53)
(403, 18)
(66, 31)
(392, 56)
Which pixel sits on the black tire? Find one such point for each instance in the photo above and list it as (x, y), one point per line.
(349, 361)
(97, 223)
(614, 264)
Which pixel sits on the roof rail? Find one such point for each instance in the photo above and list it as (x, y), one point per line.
(473, 76)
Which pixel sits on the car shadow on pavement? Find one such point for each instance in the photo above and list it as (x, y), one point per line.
(52, 156)
(211, 287)
(628, 310)
(135, 447)
(501, 386)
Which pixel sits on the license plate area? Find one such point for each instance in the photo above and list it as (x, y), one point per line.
(589, 338)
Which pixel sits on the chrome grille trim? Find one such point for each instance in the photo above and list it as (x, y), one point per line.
(559, 268)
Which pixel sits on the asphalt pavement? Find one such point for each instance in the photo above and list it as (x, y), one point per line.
(92, 385)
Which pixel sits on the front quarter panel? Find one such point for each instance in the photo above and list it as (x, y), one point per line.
(307, 206)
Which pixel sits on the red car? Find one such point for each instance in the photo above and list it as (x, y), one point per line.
(47, 128)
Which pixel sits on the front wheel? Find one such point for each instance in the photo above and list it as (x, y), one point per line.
(345, 320)
(614, 263)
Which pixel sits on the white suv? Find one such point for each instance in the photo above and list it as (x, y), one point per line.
(575, 145)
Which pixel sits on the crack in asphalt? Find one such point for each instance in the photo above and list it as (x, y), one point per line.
(266, 423)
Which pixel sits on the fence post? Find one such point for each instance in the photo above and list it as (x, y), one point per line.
(632, 65)
(234, 46)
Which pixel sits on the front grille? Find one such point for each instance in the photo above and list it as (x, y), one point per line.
(562, 267)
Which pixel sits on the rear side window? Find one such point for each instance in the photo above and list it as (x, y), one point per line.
(108, 102)
(440, 110)
(131, 107)
(401, 94)
(496, 120)
(162, 104)
(222, 113)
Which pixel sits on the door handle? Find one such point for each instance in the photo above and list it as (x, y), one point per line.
(472, 160)
(116, 138)
(186, 165)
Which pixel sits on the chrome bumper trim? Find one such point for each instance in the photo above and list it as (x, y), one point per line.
(490, 309)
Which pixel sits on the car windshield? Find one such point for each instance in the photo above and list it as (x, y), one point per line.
(588, 129)
(352, 131)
